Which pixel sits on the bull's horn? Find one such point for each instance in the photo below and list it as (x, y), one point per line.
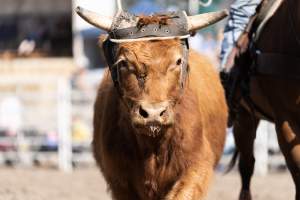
(100, 21)
(197, 22)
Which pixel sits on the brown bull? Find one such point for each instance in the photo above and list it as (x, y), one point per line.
(156, 135)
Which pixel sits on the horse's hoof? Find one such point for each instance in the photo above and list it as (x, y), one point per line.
(245, 195)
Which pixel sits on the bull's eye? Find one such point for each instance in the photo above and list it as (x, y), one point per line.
(179, 61)
(126, 66)
(176, 66)
(141, 79)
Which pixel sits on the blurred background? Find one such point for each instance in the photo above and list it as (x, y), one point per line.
(50, 68)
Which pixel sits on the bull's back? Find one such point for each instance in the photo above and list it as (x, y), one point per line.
(205, 82)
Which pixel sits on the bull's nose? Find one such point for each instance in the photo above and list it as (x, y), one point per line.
(152, 111)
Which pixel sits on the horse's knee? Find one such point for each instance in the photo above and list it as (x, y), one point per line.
(246, 168)
(245, 195)
(289, 142)
(296, 159)
(244, 131)
(246, 164)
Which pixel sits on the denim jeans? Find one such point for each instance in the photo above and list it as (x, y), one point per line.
(240, 13)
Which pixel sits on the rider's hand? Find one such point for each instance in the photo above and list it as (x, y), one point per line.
(242, 43)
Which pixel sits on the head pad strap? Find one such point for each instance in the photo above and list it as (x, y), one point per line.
(110, 50)
(184, 69)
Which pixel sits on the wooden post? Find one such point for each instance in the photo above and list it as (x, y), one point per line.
(64, 125)
(261, 149)
(193, 7)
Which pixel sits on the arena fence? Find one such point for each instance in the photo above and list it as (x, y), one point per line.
(37, 118)
(46, 121)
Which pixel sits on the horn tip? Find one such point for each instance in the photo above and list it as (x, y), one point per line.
(225, 12)
(78, 9)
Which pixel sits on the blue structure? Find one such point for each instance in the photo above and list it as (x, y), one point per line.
(146, 7)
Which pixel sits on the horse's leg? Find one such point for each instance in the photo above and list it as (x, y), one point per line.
(244, 133)
(289, 142)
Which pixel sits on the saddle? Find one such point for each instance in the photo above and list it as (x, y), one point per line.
(264, 13)
(276, 60)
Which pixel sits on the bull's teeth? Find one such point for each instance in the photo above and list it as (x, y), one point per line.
(154, 129)
(158, 129)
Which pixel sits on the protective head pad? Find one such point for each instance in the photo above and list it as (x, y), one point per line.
(127, 27)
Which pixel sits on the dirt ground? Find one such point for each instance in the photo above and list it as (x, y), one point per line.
(87, 184)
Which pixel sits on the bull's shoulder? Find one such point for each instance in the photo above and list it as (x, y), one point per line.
(205, 82)
(201, 63)
(203, 74)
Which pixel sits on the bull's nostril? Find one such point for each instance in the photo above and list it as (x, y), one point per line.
(143, 112)
(162, 113)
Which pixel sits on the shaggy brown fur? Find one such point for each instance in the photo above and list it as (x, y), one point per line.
(153, 19)
(178, 162)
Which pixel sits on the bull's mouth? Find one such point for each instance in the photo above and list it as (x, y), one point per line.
(150, 129)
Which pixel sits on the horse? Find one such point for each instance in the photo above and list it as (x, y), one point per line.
(274, 94)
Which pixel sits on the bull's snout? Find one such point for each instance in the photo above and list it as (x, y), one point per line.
(158, 113)
(152, 112)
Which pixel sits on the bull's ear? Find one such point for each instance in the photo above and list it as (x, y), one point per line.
(95, 19)
(197, 22)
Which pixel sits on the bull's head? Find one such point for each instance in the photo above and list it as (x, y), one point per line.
(149, 70)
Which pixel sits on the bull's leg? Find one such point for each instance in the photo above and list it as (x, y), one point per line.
(244, 134)
(193, 185)
(289, 142)
(122, 192)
